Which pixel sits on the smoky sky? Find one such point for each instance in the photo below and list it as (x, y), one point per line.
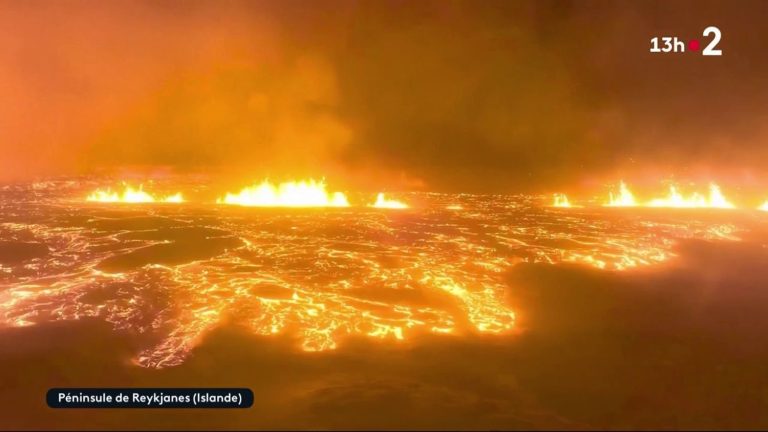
(493, 96)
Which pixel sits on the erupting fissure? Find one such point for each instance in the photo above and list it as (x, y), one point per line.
(305, 193)
(383, 202)
(314, 193)
(561, 200)
(131, 195)
(624, 198)
(674, 199)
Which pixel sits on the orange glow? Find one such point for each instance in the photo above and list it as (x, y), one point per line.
(624, 198)
(561, 200)
(763, 207)
(305, 193)
(676, 200)
(130, 195)
(383, 202)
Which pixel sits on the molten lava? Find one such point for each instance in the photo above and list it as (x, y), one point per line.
(383, 202)
(624, 198)
(305, 193)
(175, 198)
(130, 195)
(675, 199)
(561, 200)
(319, 277)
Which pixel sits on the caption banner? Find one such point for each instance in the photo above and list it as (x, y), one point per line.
(149, 398)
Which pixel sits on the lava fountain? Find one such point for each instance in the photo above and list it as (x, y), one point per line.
(625, 198)
(675, 199)
(131, 195)
(384, 202)
(561, 200)
(305, 193)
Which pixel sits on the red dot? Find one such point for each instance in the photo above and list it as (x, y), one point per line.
(693, 45)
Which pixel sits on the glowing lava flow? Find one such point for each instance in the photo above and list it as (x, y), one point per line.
(308, 193)
(561, 200)
(319, 277)
(676, 200)
(383, 202)
(625, 198)
(130, 195)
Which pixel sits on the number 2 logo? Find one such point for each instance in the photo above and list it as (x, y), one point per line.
(710, 49)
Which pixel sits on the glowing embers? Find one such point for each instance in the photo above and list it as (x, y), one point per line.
(305, 193)
(561, 200)
(131, 195)
(624, 198)
(384, 202)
